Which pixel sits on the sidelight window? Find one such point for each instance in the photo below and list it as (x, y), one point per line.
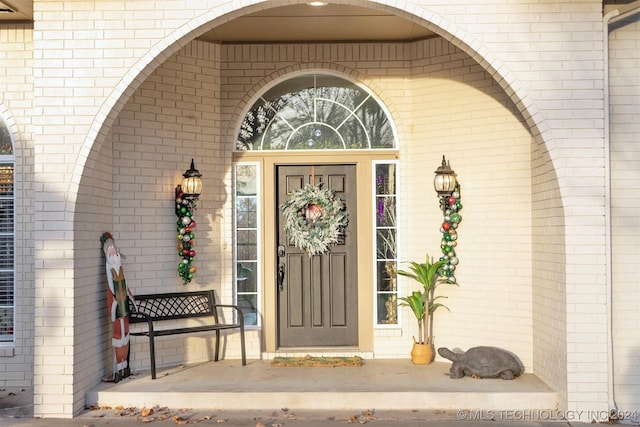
(247, 217)
(386, 233)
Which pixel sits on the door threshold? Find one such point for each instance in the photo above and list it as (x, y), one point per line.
(318, 352)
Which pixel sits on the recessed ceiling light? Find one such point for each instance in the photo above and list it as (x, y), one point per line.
(317, 3)
(5, 8)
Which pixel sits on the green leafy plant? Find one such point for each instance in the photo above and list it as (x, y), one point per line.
(424, 303)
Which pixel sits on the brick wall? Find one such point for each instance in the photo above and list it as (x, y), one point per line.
(624, 62)
(16, 98)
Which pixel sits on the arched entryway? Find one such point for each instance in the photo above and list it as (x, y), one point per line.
(109, 156)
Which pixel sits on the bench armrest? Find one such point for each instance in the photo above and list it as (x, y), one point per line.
(240, 315)
(143, 316)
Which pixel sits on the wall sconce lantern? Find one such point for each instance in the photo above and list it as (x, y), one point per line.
(445, 180)
(448, 190)
(192, 183)
(187, 193)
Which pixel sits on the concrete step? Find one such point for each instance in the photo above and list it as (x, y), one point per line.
(378, 384)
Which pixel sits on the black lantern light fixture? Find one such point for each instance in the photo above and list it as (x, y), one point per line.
(186, 198)
(191, 184)
(445, 180)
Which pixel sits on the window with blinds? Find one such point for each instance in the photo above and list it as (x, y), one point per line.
(7, 236)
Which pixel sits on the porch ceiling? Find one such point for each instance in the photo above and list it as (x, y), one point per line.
(305, 23)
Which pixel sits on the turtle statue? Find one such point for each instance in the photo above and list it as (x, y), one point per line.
(483, 362)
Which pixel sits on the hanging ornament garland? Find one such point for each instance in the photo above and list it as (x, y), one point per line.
(314, 219)
(185, 225)
(450, 207)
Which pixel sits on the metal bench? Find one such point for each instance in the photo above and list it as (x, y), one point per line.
(154, 308)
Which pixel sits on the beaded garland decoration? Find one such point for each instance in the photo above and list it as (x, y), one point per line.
(314, 218)
(186, 238)
(450, 206)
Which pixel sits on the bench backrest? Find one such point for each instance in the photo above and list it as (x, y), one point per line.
(176, 305)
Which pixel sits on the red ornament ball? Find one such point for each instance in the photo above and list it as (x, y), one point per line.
(446, 226)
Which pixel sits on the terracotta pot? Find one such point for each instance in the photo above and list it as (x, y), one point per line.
(421, 354)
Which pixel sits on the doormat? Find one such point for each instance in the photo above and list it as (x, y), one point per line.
(311, 361)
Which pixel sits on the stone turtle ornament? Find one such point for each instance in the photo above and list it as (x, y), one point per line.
(483, 362)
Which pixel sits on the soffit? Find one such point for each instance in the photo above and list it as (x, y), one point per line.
(304, 23)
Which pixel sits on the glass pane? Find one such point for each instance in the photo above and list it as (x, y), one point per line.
(387, 305)
(315, 136)
(246, 184)
(298, 109)
(247, 244)
(6, 216)
(6, 252)
(246, 277)
(386, 179)
(354, 134)
(386, 211)
(246, 212)
(254, 125)
(6, 146)
(289, 86)
(249, 306)
(386, 272)
(386, 243)
(6, 180)
(376, 123)
(276, 136)
(331, 113)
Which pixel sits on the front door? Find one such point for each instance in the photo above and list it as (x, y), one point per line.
(318, 295)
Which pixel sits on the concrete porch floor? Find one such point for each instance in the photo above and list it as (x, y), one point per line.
(378, 384)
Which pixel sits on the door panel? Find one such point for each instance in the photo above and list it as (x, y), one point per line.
(317, 302)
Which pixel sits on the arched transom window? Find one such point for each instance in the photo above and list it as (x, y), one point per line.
(315, 112)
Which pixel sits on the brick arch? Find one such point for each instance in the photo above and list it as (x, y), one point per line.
(290, 71)
(420, 15)
(9, 120)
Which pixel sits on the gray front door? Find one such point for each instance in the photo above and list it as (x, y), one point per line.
(318, 295)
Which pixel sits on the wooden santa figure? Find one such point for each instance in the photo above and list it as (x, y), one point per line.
(118, 299)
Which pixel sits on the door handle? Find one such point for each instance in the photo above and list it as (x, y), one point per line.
(281, 277)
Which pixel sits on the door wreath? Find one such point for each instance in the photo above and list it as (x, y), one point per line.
(314, 218)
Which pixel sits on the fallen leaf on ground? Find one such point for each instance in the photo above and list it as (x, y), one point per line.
(180, 421)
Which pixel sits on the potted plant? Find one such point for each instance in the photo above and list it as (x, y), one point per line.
(423, 304)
